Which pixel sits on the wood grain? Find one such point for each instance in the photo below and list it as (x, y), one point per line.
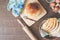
(10, 29)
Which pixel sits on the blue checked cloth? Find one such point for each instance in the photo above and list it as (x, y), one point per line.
(16, 6)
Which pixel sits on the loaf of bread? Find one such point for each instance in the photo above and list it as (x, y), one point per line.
(52, 27)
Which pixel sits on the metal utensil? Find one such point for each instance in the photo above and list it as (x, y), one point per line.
(26, 29)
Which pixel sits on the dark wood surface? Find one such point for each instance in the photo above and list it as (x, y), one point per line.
(10, 29)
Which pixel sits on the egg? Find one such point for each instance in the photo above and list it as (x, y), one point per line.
(57, 1)
(56, 8)
(52, 4)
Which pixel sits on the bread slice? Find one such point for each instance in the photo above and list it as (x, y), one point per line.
(35, 16)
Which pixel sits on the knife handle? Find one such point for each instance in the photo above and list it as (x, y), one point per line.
(29, 33)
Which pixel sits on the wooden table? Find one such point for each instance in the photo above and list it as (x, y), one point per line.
(10, 29)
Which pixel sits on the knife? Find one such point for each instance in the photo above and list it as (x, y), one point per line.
(26, 29)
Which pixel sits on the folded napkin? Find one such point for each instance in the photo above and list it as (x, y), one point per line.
(16, 6)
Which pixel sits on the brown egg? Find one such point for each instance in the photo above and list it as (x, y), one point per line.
(57, 1)
(52, 4)
(56, 8)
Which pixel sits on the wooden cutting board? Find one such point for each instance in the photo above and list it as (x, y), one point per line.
(31, 21)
